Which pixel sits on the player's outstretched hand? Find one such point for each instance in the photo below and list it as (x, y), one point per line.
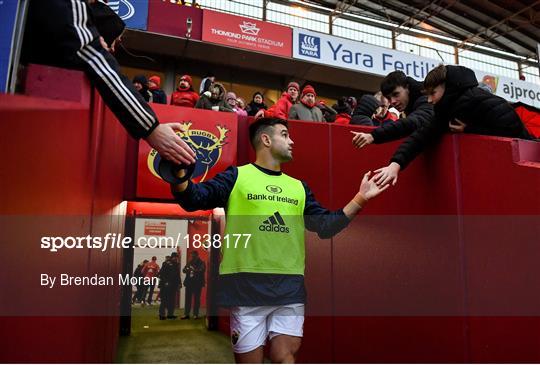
(369, 189)
(361, 139)
(169, 145)
(387, 175)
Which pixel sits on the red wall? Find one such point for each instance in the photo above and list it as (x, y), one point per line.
(170, 19)
(64, 177)
(440, 268)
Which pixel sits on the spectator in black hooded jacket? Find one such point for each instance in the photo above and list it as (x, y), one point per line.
(141, 84)
(256, 104)
(460, 106)
(404, 94)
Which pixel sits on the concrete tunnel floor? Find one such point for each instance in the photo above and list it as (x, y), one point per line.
(171, 341)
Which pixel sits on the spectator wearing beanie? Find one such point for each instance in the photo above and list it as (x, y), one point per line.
(184, 94)
(141, 84)
(256, 104)
(365, 110)
(306, 109)
(158, 95)
(281, 108)
(344, 110)
(214, 99)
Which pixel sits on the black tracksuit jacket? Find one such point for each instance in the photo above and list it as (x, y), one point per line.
(482, 112)
(62, 33)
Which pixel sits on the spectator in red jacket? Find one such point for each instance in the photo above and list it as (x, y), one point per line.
(281, 108)
(184, 94)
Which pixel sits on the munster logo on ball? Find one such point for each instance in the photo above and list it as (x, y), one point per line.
(206, 145)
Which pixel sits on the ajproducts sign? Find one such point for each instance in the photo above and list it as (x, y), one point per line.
(133, 12)
(246, 33)
(511, 89)
(358, 56)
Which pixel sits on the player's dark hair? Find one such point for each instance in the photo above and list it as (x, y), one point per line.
(261, 126)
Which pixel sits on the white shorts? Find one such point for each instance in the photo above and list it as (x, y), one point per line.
(250, 326)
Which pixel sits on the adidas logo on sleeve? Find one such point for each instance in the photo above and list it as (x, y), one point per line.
(274, 223)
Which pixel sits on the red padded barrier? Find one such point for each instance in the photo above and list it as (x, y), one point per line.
(501, 205)
(503, 339)
(422, 187)
(57, 83)
(493, 183)
(311, 161)
(108, 215)
(382, 260)
(312, 164)
(412, 273)
(65, 179)
(244, 147)
(400, 340)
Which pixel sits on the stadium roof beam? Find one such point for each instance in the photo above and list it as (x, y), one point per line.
(452, 27)
(431, 14)
(496, 34)
(460, 19)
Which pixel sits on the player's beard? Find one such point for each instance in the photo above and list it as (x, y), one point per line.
(285, 156)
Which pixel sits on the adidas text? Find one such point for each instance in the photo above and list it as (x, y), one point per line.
(273, 228)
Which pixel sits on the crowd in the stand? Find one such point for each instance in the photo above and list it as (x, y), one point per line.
(294, 104)
(387, 106)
